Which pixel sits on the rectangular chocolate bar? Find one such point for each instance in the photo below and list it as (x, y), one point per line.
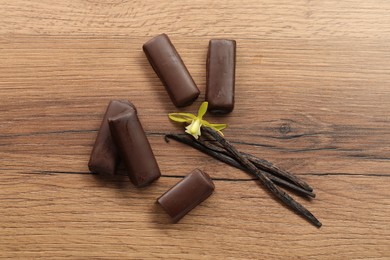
(186, 194)
(171, 70)
(134, 148)
(104, 156)
(220, 76)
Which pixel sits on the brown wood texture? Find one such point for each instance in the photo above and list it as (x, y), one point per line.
(312, 96)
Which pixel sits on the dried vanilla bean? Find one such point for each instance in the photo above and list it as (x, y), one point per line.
(283, 196)
(263, 165)
(186, 139)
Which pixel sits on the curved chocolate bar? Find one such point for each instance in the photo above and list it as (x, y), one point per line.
(134, 148)
(104, 156)
(187, 194)
(220, 76)
(171, 70)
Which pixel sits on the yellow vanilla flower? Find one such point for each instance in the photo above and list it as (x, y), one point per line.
(196, 122)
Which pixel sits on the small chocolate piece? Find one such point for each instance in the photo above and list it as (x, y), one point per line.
(104, 156)
(220, 76)
(171, 70)
(186, 194)
(134, 148)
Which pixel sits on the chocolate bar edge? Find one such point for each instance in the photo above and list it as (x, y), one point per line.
(178, 103)
(92, 165)
(215, 109)
(134, 180)
(203, 197)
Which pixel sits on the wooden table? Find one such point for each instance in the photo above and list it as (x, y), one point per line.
(312, 96)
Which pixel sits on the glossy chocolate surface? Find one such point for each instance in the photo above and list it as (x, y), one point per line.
(134, 148)
(104, 156)
(171, 70)
(186, 194)
(220, 76)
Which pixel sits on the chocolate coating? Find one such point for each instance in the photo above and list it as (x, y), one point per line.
(171, 70)
(134, 148)
(220, 76)
(104, 155)
(186, 194)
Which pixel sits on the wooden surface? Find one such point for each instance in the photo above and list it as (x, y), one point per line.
(312, 96)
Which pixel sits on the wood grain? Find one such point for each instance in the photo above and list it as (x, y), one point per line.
(312, 96)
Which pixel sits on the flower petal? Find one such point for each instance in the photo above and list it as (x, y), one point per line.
(181, 117)
(195, 122)
(203, 109)
(194, 128)
(218, 126)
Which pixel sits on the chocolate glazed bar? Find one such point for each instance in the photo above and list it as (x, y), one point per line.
(220, 76)
(171, 70)
(186, 194)
(134, 148)
(104, 156)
